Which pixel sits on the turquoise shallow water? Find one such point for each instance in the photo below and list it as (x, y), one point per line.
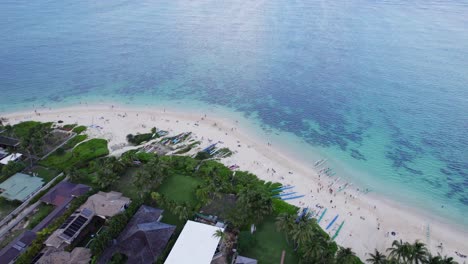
(380, 88)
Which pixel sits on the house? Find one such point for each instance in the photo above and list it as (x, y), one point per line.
(64, 192)
(70, 229)
(101, 204)
(8, 142)
(105, 204)
(9, 253)
(20, 186)
(196, 244)
(144, 238)
(61, 196)
(11, 158)
(79, 255)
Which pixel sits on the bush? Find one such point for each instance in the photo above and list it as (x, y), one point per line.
(10, 169)
(139, 138)
(202, 155)
(60, 151)
(79, 129)
(82, 153)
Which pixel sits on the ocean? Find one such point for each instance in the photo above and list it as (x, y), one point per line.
(379, 88)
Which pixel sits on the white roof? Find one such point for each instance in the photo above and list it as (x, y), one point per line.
(12, 157)
(195, 245)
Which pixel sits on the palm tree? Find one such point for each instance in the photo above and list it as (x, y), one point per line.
(317, 250)
(399, 250)
(439, 260)
(302, 232)
(448, 260)
(182, 210)
(377, 258)
(73, 174)
(285, 223)
(106, 177)
(345, 256)
(418, 252)
(157, 197)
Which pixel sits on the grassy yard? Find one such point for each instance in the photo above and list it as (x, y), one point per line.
(45, 173)
(84, 152)
(180, 188)
(75, 140)
(269, 244)
(37, 217)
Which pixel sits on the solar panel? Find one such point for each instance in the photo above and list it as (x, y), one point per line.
(69, 219)
(86, 212)
(75, 226)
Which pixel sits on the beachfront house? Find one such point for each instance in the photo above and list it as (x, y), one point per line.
(103, 205)
(70, 229)
(144, 238)
(20, 187)
(196, 244)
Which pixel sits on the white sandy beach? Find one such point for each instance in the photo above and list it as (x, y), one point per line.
(369, 219)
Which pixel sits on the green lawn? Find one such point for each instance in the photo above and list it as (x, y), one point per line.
(84, 152)
(269, 244)
(79, 129)
(44, 210)
(75, 140)
(45, 173)
(180, 188)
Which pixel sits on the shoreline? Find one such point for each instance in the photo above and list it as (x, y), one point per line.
(368, 217)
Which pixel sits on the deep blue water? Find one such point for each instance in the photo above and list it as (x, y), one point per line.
(380, 86)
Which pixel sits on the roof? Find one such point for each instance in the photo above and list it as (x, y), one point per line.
(20, 186)
(196, 244)
(106, 204)
(245, 260)
(79, 255)
(61, 193)
(9, 142)
(12, 157)
(143, 239)
(70, 229)
(14, 249)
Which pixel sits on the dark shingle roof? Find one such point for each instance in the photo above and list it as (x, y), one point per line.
(14, 249)
(143, 239)
(8, 141)
(61, 193)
